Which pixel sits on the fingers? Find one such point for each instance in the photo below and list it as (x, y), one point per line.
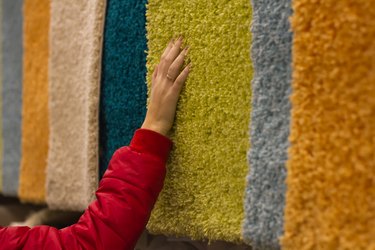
(175, 51)
(174, 69)
(171, 63)
(181, 79)
(170, 55)
(166, 51)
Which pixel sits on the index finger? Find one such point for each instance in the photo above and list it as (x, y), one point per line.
(167, 49)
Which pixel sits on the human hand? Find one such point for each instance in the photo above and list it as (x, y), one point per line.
(167, 82)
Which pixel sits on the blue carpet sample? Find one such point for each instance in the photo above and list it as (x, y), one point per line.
(12, 93)
(123, 86)
(271, 55)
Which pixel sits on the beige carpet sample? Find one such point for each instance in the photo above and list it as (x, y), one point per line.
(76, 32)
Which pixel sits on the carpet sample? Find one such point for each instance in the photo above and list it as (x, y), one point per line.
(12, 94)
(204, 189)
(35, 128)
(123, 88)
(331, 167)
(74, 83)
(271, 56)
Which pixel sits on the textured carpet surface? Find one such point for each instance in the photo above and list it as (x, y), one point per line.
(331, 167)
(204, 189)
(74, 78)
(12, 93)
(35, 128)
(123, 88)
(271, 56)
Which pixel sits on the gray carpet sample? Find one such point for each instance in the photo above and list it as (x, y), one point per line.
(12, 93)
(271, 86)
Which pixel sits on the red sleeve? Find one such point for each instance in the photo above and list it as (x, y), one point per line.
(125, 198)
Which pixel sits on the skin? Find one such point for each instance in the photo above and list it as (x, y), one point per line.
(167, 82)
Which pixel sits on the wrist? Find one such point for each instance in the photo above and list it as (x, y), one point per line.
(145, 140)
(154, 127)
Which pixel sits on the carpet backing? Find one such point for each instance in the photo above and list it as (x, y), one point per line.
(74, 80)
(271, 56)
(12, 93)
(331, 167)
(123, 88)
(204, 189)
(35, 128)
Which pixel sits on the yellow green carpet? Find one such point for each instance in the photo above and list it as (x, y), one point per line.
(204, 189)
(35, 128)
(331, 169)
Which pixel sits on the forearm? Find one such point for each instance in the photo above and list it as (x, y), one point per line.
(125, 198)
(131, 185)
(126, 195)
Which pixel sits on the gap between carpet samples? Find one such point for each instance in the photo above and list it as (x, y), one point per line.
(12, 93)
(271, 86)
(331, 167)
(74, 82)
(123, 88)
(203, 193)
(35, 128)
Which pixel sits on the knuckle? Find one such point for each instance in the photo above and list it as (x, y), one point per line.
(172, 69)
(168, 58)
(164, 57)
(178, 81)
(181, 56)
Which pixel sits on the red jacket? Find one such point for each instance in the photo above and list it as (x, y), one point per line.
(125, 198)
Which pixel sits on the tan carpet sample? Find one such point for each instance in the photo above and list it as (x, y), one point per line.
(76, 32)
(34, 141)
(330, 201)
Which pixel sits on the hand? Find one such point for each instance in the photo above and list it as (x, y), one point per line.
(167, 82)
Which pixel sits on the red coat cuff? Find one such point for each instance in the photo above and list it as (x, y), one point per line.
(148, 141)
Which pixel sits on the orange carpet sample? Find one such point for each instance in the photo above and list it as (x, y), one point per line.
(35, 101)
(330, 202)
